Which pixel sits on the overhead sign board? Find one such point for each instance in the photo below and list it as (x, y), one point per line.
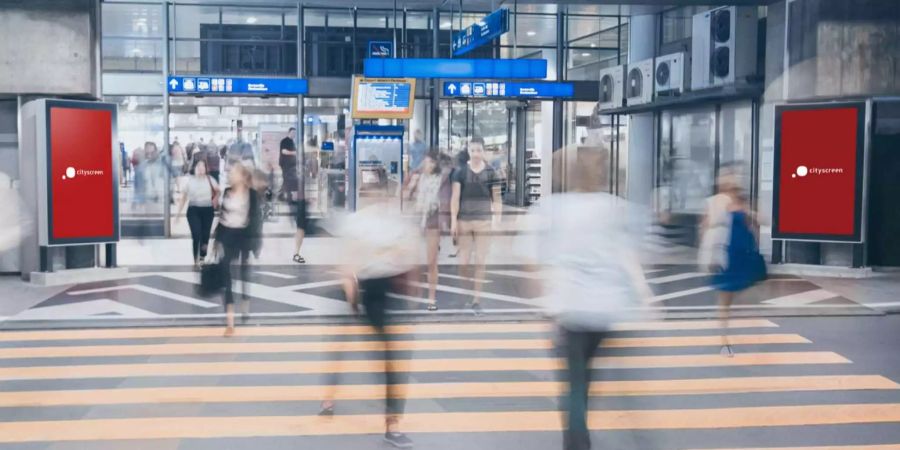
(204, 85)
(381, 49)
(455, 68)
(479, 33)
(496, 89)
(819, 175)
(383, 98)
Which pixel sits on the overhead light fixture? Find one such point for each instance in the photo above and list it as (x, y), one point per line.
(531, 33)
(586, 54)
(593, 44)
(251, 20)
(446, 25)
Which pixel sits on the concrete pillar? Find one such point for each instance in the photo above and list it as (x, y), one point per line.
(641, 131)
(49, 47)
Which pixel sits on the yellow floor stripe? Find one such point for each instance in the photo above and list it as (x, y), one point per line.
(329, 330)
(829, 447)
(226, 347)
(254, 426)
(240, 394)
(419, 365)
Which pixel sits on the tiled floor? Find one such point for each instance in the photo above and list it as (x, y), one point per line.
(798, 383)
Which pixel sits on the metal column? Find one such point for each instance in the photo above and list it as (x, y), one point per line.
(167, 231)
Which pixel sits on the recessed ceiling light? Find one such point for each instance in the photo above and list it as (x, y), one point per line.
(593, 44)
(251, 20)
(531, 33)
(446, 25)
(586, 54)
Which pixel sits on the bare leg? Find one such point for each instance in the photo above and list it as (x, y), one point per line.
(229, 318)
(725, 300)
(298, 240)
(433, 239)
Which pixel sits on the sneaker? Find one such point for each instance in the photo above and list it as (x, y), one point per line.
(432, 307)
(398, 440)
(476, 308)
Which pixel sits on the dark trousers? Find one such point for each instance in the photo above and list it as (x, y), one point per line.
(200, 220)
(234, 244)
(579, 347)
(374, 299)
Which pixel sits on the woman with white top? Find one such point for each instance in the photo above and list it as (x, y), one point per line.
(201, 195)
(238, 232)
(427, 188)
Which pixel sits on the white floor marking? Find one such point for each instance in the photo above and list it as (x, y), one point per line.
(312, 285)
(801, 298)
(276, 275)
(457, 277)
(517, 273)
(151, 290)
(488, 295)
(317, 304)
(677, 294)
(90, 309)
(676, 277)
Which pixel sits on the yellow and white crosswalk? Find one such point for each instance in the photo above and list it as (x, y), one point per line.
(474, 364)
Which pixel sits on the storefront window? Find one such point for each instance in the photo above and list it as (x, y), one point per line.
(736, 134)
(687, 159)
(132, 38)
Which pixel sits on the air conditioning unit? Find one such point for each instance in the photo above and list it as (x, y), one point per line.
(724, 46)
(672, 76)
(639, 83)
(611, 87)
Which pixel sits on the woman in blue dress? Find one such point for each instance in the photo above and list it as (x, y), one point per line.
(743, 266)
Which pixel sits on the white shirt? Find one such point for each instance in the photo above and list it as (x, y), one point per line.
(235, 210)
(584, 242)
(200, 190)
(382, 243)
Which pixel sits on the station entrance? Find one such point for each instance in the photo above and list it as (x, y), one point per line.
(513, 132)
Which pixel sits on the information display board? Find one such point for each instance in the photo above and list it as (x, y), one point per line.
(236, 86)
(492, 89)
(82, 175)
(479, 33)
(819, 167)
(383, 98)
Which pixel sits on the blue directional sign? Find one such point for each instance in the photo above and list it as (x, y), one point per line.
(479, 33)
(454, 68)
(236, 86)
(490, 89)
(381, 49)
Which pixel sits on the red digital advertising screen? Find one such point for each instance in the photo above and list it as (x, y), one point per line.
(81, 174)
(818, 171)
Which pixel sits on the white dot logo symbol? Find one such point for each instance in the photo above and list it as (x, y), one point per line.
(70, 173)
(802, 171)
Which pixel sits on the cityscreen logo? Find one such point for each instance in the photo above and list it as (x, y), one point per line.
(72, 172)
(803, 171)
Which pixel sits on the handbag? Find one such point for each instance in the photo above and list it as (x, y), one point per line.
(212, 271)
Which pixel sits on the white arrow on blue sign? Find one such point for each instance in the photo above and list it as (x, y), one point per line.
(174, 83)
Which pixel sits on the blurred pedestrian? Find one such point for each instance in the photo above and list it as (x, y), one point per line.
(125, 164)
(475, 205)
(729, 248)
(384, 263)
(201, 195)
(417, 151)
(426, 185)
(12, 216)
(238, 231)
(592, 279)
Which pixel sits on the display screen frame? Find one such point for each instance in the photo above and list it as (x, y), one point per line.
(354, 99)
(862, 133)
(115, 169)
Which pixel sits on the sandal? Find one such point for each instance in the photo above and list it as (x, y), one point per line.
(299, 259)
